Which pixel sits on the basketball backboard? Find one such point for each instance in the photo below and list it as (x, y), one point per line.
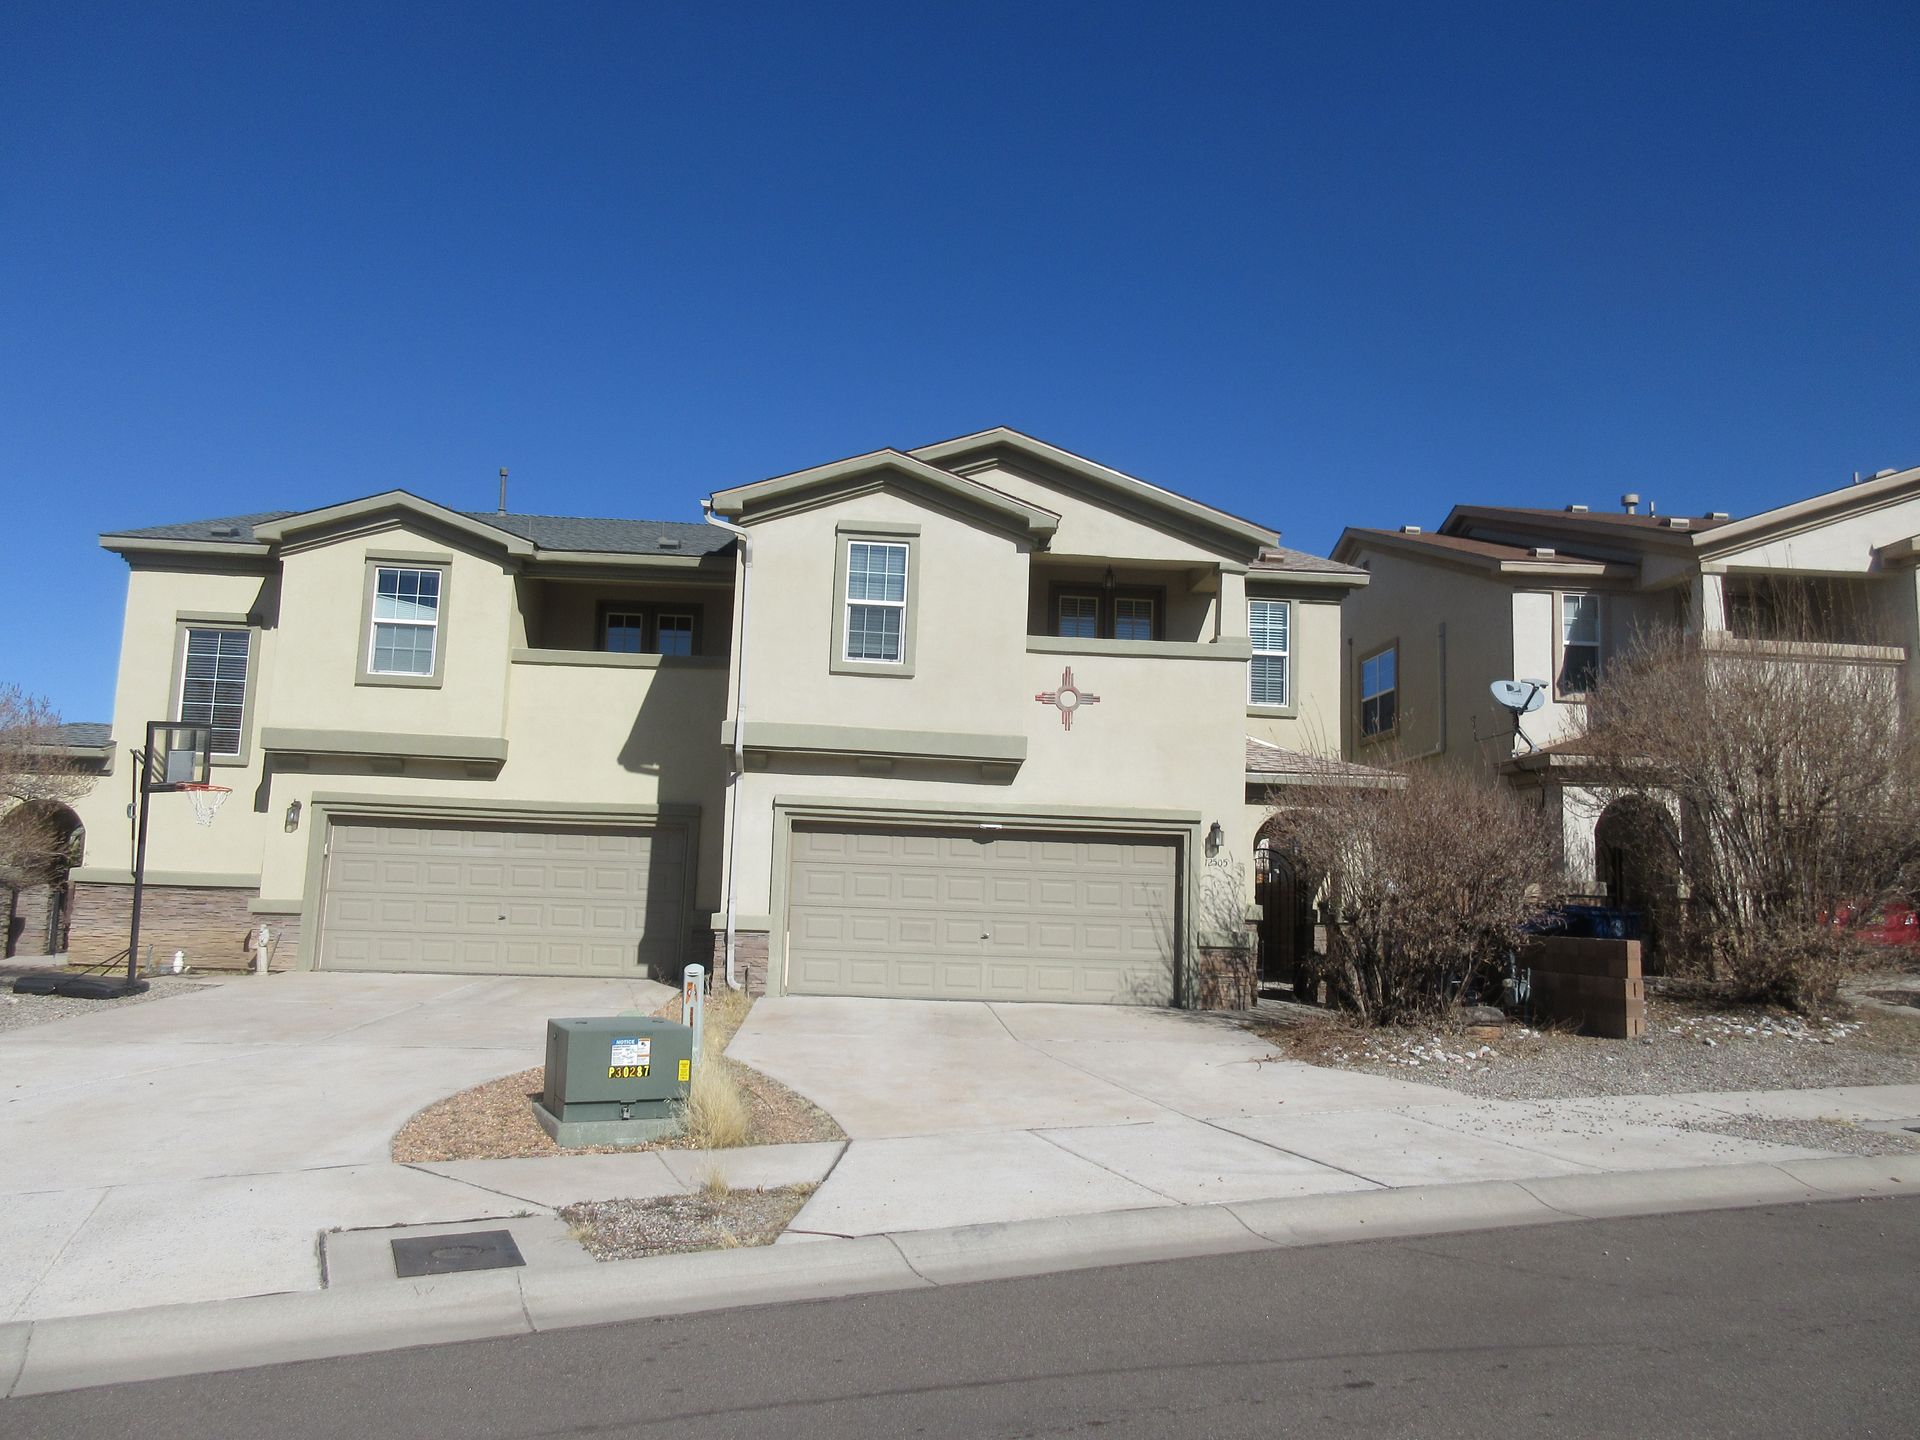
(177, 755)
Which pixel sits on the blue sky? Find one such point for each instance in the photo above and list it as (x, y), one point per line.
(1322, 265)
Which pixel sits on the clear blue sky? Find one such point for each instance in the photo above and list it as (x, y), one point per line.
(1322, 265)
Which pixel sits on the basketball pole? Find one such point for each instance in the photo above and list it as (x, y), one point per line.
(140, 858)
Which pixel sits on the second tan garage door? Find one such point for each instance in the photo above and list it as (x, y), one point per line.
(501, 900)
(981, 915)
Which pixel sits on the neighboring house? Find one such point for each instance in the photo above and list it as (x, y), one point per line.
(1500, 593)
(36, 902)
(991, 705)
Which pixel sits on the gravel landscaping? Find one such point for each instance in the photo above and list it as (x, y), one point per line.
(19, 1012)
(711, 1219)
(1841, 1136)
(495, 1121)
(1690, 1045)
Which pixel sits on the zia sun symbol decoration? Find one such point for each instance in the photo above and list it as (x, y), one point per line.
(1067, 699)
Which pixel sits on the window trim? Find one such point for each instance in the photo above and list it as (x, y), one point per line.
(1291, 705)
(186, 621)
(1360, 696)
(376, 562)
(846, 535)
(1599, 646)
(1105, 608)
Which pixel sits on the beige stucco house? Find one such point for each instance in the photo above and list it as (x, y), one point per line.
(1504, 593)
(972, 720)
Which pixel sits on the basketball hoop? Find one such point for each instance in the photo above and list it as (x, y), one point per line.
(207, 800)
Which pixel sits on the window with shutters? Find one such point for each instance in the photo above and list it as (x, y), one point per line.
(1269, 676)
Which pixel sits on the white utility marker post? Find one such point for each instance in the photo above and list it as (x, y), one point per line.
(693, 1005)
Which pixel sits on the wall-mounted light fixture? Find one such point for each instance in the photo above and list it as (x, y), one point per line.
(1216, 837)
(293, 817)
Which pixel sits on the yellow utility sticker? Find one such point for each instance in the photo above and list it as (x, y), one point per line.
(686, 1071)
(628, 1072)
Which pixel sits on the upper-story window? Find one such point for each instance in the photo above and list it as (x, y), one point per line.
(1097, 615)
(673, 633)
(647, 632)
(1379, 691)
(624, 632)
(1132, 617)
(876, 602)
(1077, 616)
(1579, 643)
(1270, 627)
(403, 621)
(213, 685)
(406, 621)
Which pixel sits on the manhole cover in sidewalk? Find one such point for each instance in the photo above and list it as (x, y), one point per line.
(449, 1254)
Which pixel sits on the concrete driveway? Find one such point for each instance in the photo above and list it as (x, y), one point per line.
(964, 1114)
(195, 1146)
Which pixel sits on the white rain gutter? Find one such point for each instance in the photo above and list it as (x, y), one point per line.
(739, 734)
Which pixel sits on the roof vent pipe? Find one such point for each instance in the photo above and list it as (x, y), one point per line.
(1576, 509)
(1630, 503)
(503, 490)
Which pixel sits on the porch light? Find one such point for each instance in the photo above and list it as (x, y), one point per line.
(293, 817)
(1216, 837)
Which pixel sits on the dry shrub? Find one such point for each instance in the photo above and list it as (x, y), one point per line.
(1783, 756)
(36, 779)
(1429, 885)
(716, 1110)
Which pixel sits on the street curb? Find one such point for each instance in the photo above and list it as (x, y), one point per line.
(43, 1356)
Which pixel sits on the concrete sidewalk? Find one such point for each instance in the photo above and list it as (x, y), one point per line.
(972, 1114)
(44, 1356)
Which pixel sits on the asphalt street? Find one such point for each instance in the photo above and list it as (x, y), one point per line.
(1788, 1321)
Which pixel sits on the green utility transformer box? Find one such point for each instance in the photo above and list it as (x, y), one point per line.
(615, 1081)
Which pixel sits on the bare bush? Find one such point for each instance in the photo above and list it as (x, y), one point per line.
(1429, 886)
(36, 778)
(1784, 758)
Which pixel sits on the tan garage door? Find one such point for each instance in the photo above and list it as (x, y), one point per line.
(496, 900)
(981, 915)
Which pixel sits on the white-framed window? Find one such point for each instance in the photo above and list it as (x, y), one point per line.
(213, 685)
(1132, 618)
(406, 621)
(1379, 691)
(1579, 643)
(673, 633)
(625, 632)
(1079, 617)
(876, 602)
(1270, 626)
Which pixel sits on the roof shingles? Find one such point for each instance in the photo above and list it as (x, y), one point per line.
(547, 532)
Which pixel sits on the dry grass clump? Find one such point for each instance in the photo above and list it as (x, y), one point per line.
(716, 1111)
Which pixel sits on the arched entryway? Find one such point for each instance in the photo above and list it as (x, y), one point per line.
(40, 843)
(1636, 853)
(1285, 892)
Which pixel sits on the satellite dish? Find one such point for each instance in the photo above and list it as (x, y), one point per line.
(1522, 697)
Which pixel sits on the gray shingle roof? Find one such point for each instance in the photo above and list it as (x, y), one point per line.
(1279, 557)
(83, 734)
(548, 532)
(215, 529)
(1266, 758)
(608, 537)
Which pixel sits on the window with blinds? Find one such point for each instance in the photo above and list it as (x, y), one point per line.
(1270, 626)
(213, 685)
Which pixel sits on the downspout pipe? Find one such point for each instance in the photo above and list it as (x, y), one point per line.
(739, 765)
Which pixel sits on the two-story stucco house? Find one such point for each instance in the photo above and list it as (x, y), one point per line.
(975, 720)
(1504, 593)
